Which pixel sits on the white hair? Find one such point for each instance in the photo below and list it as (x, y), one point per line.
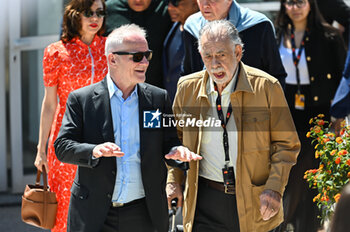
(220, 30)
(118, 35)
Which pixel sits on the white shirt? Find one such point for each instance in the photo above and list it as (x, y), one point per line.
(212, 148)
(287, 60)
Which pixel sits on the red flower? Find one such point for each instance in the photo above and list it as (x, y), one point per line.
(337, 160)
(336, 197)
(348, 163)
(339, 140)
(320, 122)
(317, 129)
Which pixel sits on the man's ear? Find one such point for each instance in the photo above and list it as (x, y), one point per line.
(238, 52)
(111, 59)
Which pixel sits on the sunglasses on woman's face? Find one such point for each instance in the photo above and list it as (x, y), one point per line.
(174, 2)
(299, 3)
(137, 56)
(90, 13)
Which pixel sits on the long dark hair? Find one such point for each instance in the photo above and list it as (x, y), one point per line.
(314, 20)
(72, 18)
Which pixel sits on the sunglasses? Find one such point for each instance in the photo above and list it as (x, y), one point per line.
(137, 56)
(298, 3)
(174, 2)
(90, 13)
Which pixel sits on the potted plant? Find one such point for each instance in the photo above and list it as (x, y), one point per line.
(334, 166)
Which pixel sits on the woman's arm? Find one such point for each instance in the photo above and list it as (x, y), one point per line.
(48, 109)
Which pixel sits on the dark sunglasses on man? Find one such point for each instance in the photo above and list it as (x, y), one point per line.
(137, 56)
(290, 3)
(173, 2)
(90, 13)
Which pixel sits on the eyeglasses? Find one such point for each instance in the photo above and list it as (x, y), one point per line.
(174, 2)
(90, 13)
(137, 56)
(299, 3)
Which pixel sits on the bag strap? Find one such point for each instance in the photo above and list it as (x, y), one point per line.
(38, 175)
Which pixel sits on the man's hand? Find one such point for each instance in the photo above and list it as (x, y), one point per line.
(183, 154)
(174, 190)
(270, 203)
(107, 150)
(336, 125)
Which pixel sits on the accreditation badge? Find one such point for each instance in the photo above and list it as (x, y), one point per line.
(299, 101)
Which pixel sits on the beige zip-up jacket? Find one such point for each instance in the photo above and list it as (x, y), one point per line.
(268, 144)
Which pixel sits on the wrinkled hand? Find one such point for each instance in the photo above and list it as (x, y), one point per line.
(174, 190)
(40, 160)
(183, 154)
(270, 203)
(107, 149)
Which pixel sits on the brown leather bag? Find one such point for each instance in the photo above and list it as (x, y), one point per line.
(39, 204)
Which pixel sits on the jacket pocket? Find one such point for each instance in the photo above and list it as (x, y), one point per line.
(79, 191)
(256, 131)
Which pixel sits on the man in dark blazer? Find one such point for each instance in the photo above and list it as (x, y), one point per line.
(120, 181)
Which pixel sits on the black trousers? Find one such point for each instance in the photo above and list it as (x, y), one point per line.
(128, 218)
(216, 211)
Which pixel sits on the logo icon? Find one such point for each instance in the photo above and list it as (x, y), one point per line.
(151, 119)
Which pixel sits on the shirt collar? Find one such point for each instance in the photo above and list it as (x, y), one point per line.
(114, 90)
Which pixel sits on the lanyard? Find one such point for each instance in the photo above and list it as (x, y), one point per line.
(296, 58)
(223, 124)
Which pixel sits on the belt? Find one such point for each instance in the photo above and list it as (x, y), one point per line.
(134, 202)
(228, 189)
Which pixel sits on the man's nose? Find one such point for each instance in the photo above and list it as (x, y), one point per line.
(144, 60)
(215, 62)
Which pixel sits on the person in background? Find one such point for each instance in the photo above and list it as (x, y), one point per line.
(173, 48)
(336, 10)
(341, 103)
(313, 54)
(120, 182)
(75, 61)
(239, 182)
(152, 15)
(340, 220)
(255, 30)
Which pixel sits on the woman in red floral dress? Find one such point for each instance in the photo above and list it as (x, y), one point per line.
(75, 61)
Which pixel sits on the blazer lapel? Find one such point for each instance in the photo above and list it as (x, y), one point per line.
(103, 110)
(145, 103)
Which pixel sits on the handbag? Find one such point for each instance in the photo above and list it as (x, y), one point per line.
(39, 204)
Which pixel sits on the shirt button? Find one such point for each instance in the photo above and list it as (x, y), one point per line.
(308, 58)
(329, 76)
(307, 38)
(124, 143)
(312, 78)
(315, 98)
(109, 196)
(113, 172)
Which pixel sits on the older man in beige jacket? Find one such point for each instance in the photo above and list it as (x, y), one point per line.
(248, 144)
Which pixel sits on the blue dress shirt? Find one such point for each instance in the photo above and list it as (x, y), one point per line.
(125, 115)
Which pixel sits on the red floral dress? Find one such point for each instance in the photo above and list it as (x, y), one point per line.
(69, 66)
